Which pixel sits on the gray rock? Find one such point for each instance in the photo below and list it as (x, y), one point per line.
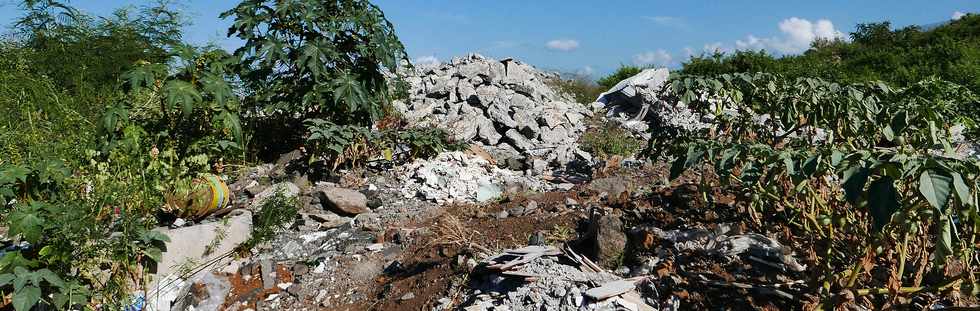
(408, 296)
(343, 201)
(268, 274)
(488, 133)
(531, 207)
(480, 100)
(327, 220)
(608, 239)
(519, 142)
(487, 192)
(502, 214)
(300, 269)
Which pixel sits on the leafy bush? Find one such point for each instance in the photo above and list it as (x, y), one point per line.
(876, 52)
(317, 59)
(100, 48)
(884, 175)
(275, 214)
(610, 139)
(580, 88)
(192, 110)
(354, 145)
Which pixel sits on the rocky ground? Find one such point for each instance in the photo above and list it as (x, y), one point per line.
(522, 220)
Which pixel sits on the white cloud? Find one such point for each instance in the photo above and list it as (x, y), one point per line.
(427, 61)
(657, 58)
(958, 15)
(562, 45)
(797, 35)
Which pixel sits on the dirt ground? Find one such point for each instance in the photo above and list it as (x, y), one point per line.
(432, 269)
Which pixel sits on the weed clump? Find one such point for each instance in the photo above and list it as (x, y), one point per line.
(609, 140)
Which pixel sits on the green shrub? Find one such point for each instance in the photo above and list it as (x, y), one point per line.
(610, 139)
(351, 145)
(100, 49)
(317, 59)
(899, 57)
(580, 88)
(275, 215)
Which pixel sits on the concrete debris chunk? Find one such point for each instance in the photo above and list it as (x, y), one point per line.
(610, 289)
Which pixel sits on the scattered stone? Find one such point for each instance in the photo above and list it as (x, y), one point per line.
(179, 222)
(570, 202)
(375, 247)
(606, 235)
(300, 269)
(408, 296)
(531, 207)
(502, 214)
(327, 220)
(343, 201)
(296, 290)
(268, 274)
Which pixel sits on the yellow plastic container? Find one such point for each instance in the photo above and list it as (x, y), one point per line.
(208, 194)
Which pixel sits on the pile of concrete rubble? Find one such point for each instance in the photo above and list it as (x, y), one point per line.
(460, 177)
(505, 106)
(548, 278)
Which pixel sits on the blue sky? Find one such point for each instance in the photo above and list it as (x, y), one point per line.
(595, 36)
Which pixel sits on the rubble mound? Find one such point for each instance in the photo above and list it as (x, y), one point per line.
(506, 106)
(459, 177)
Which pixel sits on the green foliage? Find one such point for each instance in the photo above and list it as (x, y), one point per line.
(317, 59)
(877, 52)
(100, 48)
(354, 145)
(580, 88)
(885, 169)
(610, 139)
(190, 107)
(276, 214)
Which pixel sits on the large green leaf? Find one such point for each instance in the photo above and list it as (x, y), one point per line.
(962, 190)
(883, 201)
(26, 221)
(935, 187)
(854, 180)
(26, 297)
(182, 94)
